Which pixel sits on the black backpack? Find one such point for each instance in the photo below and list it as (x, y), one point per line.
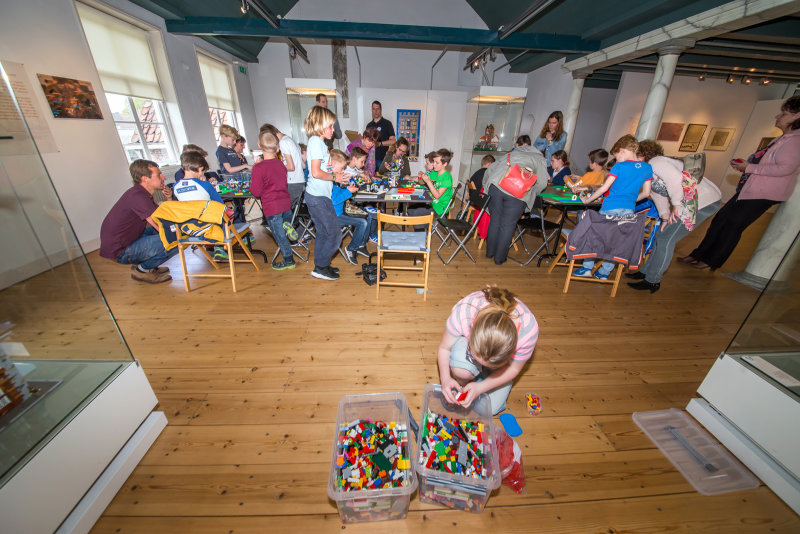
(370, 271)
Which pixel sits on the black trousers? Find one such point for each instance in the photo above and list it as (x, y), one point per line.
(505, 211)
(726, 229)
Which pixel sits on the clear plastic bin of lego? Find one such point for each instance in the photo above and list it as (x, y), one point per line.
(372, 473)
(457, 462)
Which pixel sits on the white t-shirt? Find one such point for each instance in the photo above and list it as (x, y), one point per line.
(317, 149)
(290, 148)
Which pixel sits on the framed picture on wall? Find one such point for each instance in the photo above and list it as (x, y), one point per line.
(408, 122)
(70, 98)
(670, 131)
(764, 142)
(719, 138)
(692, 137)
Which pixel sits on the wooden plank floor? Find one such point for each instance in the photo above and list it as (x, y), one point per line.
(250, 384)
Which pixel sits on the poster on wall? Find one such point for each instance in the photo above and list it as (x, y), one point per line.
(70, 98)
(692, 137)
(670, 131)
(31, 109)
(408, 121)
(719, 138)
(765, 141)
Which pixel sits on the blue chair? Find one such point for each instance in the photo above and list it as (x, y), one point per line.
(414, 243)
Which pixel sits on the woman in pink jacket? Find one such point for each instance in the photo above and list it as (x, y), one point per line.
(768, 177)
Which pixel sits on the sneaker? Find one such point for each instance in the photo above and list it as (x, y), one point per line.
(332, 268)
(151, 276)
(324, 273)
(374, 238)
(600, 276)
(220, 254)
(159, 270)
(283, 265)
(582, 272)
(363, 251)
(291, 233)
(370, 209)
(350, 255)
(306, 238)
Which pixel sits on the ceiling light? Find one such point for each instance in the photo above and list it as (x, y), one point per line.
(746, 80)
(730, 78)
(245, 7)
(765, 81)
(702, 77)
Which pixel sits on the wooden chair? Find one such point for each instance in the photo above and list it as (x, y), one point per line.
(416, 243)
(233, 234)
(614, 281)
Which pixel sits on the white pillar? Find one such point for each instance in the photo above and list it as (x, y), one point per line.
(659, 90)
(778, 237)
(571, 113)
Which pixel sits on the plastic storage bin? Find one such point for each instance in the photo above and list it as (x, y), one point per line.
(455, 490)
(367, 504)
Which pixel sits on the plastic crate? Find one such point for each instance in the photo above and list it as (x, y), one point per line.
(373, 504)
(454, 490)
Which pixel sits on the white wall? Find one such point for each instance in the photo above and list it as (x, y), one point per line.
(590, 129)
(713, 102)
(548, 90)
(90, 170)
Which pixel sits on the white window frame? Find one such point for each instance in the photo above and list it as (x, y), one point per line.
(169, 140)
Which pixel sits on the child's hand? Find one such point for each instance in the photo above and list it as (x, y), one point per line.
(166, 191)
(468, 395)
(353, 188)
(341, 178)
(451, 389)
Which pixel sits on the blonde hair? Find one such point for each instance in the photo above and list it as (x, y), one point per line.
(228, 130)
(268, 141)
(494, 335)
(338, 156)
(318, 119)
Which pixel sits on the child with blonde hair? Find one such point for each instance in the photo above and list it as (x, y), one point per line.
(227, 157)
(319, 126)
(489, 336)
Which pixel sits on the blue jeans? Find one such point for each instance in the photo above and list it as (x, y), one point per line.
(458, 358)
(329, 233)
(147, 251)
(275, 223)
(607, 266)
(361, 226)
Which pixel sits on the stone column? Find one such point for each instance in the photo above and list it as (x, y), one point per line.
(778, 237)
(659, 90)
(571, 113)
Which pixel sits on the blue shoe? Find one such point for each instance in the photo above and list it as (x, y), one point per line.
(374, 238)
(583, 272)
(600, 276)
(370, 209)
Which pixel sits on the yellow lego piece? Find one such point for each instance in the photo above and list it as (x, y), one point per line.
(392, 424)
(480, 427)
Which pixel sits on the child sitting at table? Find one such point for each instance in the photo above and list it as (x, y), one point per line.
(227, 157)
(339, 195)
(194, 186)
(440, 184)
(477, 180)
(627, 183)
(595, 176)
(355, 165)
(429, 157)
(558, 169)
(269, 183)
(211, 176)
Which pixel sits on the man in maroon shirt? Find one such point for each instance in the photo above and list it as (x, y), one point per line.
(129, 235)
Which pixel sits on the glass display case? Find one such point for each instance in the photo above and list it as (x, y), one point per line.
(60, 348)
(492, 122)
(751, 395)
(301, 95)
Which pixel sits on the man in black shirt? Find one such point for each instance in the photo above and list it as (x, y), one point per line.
(385, 133)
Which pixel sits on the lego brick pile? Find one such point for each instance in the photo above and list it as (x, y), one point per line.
(453, 446)
(372, 455)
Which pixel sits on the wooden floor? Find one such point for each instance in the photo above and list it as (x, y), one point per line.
(250, 384)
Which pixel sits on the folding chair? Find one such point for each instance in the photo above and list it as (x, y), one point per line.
(449, 207)
(233, 233)
(301, 218)
(535, 223)
(454, 226)
(416, 243)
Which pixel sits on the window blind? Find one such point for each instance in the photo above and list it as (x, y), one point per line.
(216, 82)
(121, 54)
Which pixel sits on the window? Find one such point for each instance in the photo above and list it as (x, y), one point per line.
(217, 84)
(123, 58)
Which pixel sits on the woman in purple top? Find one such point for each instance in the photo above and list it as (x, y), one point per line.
(768, 177)
(367, 142)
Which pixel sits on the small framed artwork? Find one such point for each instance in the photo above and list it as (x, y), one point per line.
(764, 142)
(670, 131)
(719, 139)
(692, 137)
(70, 98)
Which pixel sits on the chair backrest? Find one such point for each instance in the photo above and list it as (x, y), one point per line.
(477, 198)
(405, 220)
(452, 200)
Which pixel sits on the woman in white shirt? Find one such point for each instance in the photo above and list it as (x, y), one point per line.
(682, 203)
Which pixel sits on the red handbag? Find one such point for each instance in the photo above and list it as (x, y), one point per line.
(517, 180)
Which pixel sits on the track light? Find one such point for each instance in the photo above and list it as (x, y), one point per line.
(702, 77)
(746, 80)
(765, 81)
(245, 7)
(730, 78)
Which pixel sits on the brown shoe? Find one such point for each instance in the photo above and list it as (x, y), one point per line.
(687, 259)
(159, 270)
(151, 276)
